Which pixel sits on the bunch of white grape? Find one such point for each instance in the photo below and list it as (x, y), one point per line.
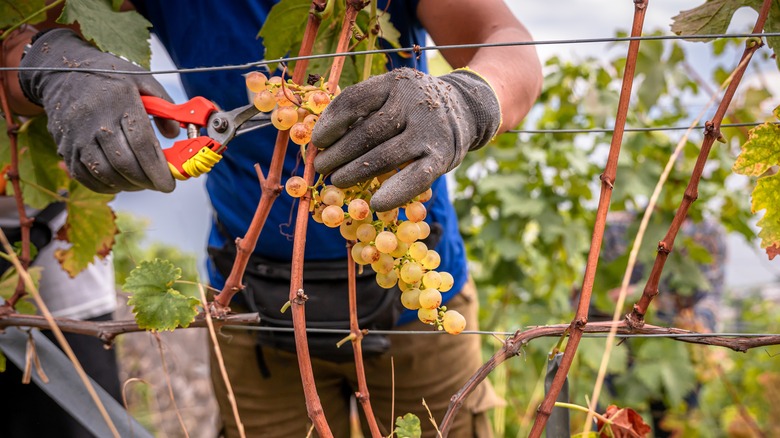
(392, 247)
(292, 106)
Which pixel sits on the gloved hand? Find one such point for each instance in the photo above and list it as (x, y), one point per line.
(404, 115)
(97, 120)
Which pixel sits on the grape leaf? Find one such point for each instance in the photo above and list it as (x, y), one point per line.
(2, 362)
(772, 251)
(39, 165)
(157, 306)
(761, 151)
(13, 12)
(626, 422)
(714, 16)
(121, 33)
(766, 195)
(8, 284)
(90, 229)
(283, 29)
(408, 426)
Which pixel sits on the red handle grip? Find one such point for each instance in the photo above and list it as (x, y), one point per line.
(195, 110)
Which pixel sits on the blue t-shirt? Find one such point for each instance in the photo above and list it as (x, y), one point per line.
(213, 33)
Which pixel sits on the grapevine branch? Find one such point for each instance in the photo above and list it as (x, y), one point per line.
(607, 183)
(297, 294)
(711, 133)
(12, 174)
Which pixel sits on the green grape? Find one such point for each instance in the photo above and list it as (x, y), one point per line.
(446, 281)
(386, 242)
(255, 81)
(416, 212)
(400, 250)
(407, 232)
(411, 272)
(430, 298)
(431, 280)
(418, 251)
(332, 195)
(357, 250)
(264, 101)
(366, 233)
(384, 264)
(358, 209)
(332, 216)
(411, 299)
(453, 322)
(296, 186)
(387, 280)
(428, 316)
(431, 260)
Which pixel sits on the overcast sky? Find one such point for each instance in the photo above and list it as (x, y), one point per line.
(182, 217)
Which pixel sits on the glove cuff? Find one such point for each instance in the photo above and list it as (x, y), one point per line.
(482, 103)
(47, 49)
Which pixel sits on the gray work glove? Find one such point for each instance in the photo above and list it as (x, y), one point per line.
(97, 119)
(401, 116)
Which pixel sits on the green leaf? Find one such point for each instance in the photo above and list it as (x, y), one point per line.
(766, 195)
(90, 229)
(13, 12)
(157, 306)
(121, 33)
(39, 165)
(760, 152)
(387, 31)
(2, 362)
(711, 17)
(408, 426)
(8, 284)
(283, 29)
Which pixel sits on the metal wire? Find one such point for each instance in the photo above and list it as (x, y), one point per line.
(413, 49)
(642, 129)
(490, 333)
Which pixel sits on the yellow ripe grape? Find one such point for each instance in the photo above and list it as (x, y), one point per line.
(335, 93)
(348, 229)
(408, 232)
(400, 250)
(406, 286)
(310, 121)
(370, 254)
(317, 213)
(387, 280)
(425, 230)
(425, 196)
(285, 97)
(431, 280)
(255, 81)
(264, 101)
(358, 209)
(384, 264)
(317, 101)
(432, 260)
(411, 299)
(428, 316)
(430, 298)
(357, 249)
(366, 233)
(446, 281)
(275, 81)
(296, 186)
(284, 117)
(387, 216)
(332, 216)
(416, 212)
(384, 177)
(453, 322)
(386, 242)
(411, 272)
(332, 195)
(302, 113)
(418, 251)
(300, 134)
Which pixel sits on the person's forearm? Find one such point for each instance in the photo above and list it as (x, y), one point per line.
(514, 72)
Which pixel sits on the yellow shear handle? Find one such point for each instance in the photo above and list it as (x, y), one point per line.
(192, 157)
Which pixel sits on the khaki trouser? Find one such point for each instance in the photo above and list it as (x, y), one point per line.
(426, 367)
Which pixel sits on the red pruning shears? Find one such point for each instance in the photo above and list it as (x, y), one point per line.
(198, 154)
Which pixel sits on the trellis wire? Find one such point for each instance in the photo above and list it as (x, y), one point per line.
(414, 49)
(496, 333)
(641, 129)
